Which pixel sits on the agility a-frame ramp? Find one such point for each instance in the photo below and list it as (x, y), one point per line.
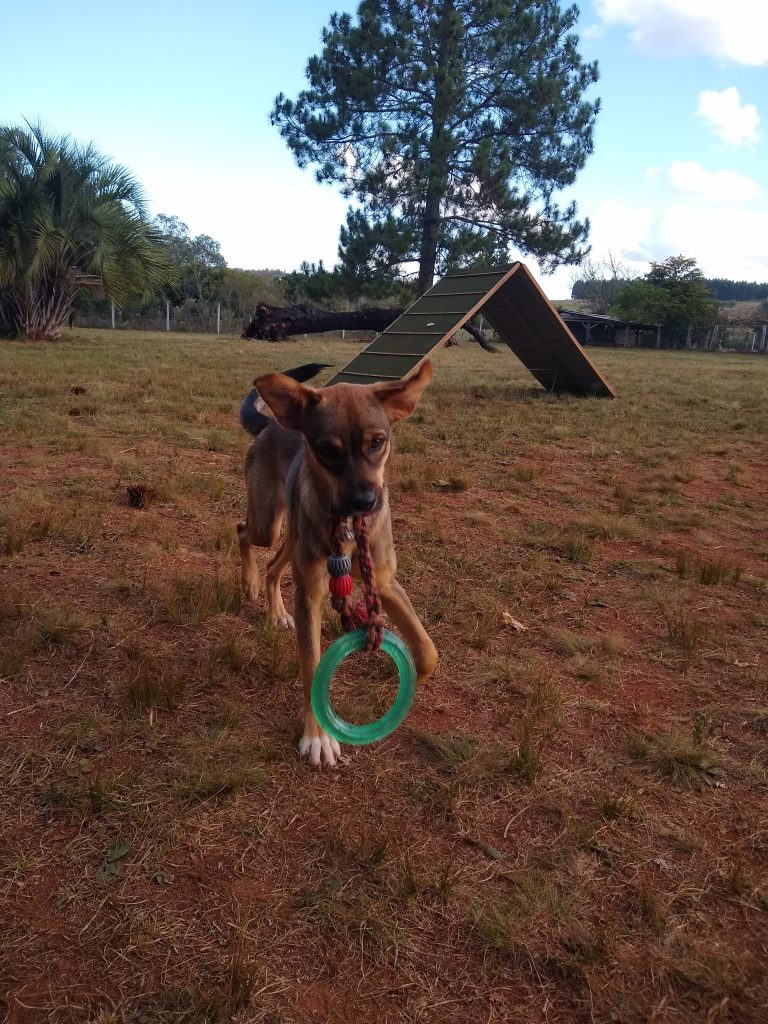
(515, 307)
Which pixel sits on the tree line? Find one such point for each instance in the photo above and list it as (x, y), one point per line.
(723, 289)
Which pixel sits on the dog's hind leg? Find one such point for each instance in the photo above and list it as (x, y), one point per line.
(249, 567)
(275, 569)
(261, 529)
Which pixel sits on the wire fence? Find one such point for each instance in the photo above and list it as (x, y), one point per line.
(219, 318)
(737, 339)
(190, 317)
(720, 338)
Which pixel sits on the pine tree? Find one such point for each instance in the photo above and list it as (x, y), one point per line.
(453, 124)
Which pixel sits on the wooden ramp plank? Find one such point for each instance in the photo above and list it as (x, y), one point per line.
(514, 305)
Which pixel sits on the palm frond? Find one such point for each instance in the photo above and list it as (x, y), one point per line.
(67, 209)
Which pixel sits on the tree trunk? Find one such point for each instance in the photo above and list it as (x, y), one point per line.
(437, 170)
(9, 314)
(430, 232)
(39, 313)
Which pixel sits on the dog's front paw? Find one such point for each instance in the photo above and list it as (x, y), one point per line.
(284, 621)
(319, 749)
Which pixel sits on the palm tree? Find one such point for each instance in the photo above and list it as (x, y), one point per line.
(67, 212)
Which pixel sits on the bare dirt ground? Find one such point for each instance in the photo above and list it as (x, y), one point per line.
(570, 827)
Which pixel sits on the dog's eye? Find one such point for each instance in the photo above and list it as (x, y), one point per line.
(377, 443)
(328, 452)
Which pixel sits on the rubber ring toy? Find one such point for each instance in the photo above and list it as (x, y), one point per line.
(334, 724)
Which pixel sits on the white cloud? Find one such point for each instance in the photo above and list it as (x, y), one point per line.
(594, 31)
(622, 229)
(726, 241)
(732, 122)
(736, 31)
(723, 188)
(263, 217)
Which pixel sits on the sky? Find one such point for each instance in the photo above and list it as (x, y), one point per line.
(181, 93)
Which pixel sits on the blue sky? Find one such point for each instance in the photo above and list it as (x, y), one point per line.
(181, 93)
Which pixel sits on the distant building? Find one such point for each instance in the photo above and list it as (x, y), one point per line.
(591, 329)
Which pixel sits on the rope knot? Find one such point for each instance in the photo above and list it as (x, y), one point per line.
(366, 614)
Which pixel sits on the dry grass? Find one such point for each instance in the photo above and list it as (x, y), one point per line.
(569, 828)
(575, 545)
(685, 627)
(709, 571)
(616, 806)
(53, 626)
(682, 759)
(190, 601)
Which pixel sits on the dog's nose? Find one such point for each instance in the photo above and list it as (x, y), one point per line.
(364, 501)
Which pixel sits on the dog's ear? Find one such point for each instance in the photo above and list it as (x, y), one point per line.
(288, 400)
(400, 397)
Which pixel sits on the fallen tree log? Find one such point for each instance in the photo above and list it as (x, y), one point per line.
(276, 323)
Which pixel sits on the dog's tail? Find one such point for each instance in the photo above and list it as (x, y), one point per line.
(251, 416)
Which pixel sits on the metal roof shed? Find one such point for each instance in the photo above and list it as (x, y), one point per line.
(595, 329)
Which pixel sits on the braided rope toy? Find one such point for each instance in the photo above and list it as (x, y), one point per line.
(364, 630)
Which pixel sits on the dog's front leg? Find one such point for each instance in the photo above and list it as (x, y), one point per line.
(317, 746)
(398, 606)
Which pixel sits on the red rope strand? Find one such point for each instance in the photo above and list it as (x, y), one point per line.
(366, 614)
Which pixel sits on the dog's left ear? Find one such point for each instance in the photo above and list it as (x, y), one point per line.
(399, 398)
(287, 399)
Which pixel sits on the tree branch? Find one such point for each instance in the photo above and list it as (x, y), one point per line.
(479, 337)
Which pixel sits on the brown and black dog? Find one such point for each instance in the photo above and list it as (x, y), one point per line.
(324, 454)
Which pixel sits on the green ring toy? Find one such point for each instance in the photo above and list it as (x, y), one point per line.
(333, 724)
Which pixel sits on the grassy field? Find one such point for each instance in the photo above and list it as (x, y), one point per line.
(572, 826)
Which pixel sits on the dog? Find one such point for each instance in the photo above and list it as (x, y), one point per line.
(325, 454)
